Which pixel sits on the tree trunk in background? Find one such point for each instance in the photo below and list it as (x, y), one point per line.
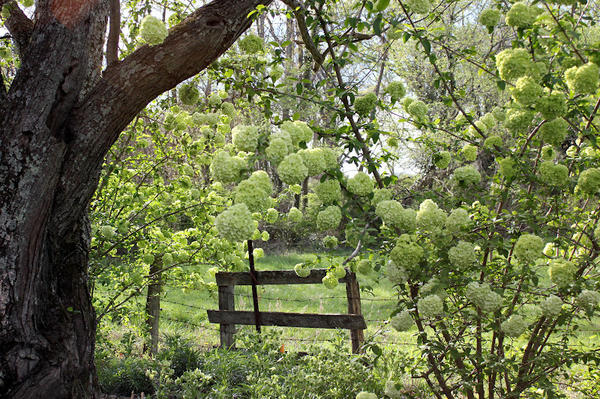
(153, 306)
(58, 120)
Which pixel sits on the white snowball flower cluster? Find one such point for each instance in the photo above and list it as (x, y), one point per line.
(299, 131)
(407, 252)
(552, 306)
(236, 223)
(360, 184)
(330, 281)
(381, 194)
(514, 326)
(562, 272)
(330, 157)
(395, 273)
(588, 299)
(292, 169)
(483, 296)
(271, 216)
(466, 176)
(402, 321)
(276, 150)
(430, 218)
(225, 168)
(329, 218)
(153, 30)
(462, 255)
(528, 248)
(469, 152)
(431, 306)
(295, 215)
(250, 192)
(457, 220)
(313, 160)
(395, 215)
(302, 270)
(329, 191)
(245, 138)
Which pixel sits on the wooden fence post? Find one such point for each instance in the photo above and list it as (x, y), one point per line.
(353, 294)
(227, 302)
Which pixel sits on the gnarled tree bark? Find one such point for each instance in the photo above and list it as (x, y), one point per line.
(57, 122)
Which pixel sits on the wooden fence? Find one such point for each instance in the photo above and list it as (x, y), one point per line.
(228, 317)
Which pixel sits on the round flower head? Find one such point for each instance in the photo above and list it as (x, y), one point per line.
(153, 30)
(391, 390)
(330, 281)
(493, 142)
(252, 194)
(418, 110)
(469, 152)
(228, 109)
(295, 215)
(418, 6)
(302, 270)
(313, 160)
(330, 157)
(514, 326)
(285, 136)
(520, 15)
(528, 248)
(583, 79)
(552, 306)
(589, 181)
(396, 90)
(262, 180)
(518, 120)
(462, 255)
(442, 159)
(329, 218)
(276, 150)
(251, 44)
(394, 215)
(498, 114)
(245, 138)
(108, 232)
(338, 271)
(554, 132)
(236, 223)
(366, 395)
(364, 266)
(402, 321)
(513, 63)
(553, 175)
(330, 242)
(466, 176)
(431, 306)
(396, 273)
(292, 169)
(548, 153)
(189, 94)
(489, 17)
(552, 106)
(483, 297)
(457, 220)
(588, 299)
(531, 313)
(406, 103)
(381, 194)
(562, 272)
(265, 236)
(407, 252)
(360, 184)
(225, 168)
(272, 215)
(430, 218)
(329, 192)
(298, 131)
(488, 120)
(526, 91)
(364, 105)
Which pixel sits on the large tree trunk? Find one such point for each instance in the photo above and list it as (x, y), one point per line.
(58, 120)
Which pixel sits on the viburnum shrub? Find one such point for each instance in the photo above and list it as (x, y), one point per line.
(499, 269)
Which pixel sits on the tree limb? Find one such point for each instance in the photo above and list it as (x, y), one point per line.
(112, 44)
(128, 86)
(299, 10)
(19, 26)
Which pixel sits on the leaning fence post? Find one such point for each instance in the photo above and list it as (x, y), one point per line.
(227, 302)
(353, 294)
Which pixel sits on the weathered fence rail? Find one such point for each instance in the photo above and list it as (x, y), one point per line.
(228, 317)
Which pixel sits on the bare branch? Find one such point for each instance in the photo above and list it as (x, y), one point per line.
(112, 45)
(19, 26)
(299, 10)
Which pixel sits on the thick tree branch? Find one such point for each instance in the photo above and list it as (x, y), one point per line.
(129, 85)
(112, 44)
(19, 26)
